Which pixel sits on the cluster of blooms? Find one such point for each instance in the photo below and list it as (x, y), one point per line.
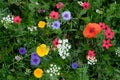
(32, 28)
(53, 70)
(63, 47)
(7, 20)
(118, 51)
(109, 34)
(91, 57)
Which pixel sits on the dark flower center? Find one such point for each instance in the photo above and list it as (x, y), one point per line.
(91, 30)
(55, 24)
(66, 15)
(35, 60)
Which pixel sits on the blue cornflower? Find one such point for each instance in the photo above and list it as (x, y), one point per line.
(22, 50)
(35, 60)
(74, 65)
(66, 15)
(56, 25)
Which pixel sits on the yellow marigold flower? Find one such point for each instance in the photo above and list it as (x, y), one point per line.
(42, 50)
(41, 24)
(38, 73)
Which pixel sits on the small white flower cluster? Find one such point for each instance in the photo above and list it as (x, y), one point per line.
(118, 51)
(53, 70)
(18, 58)
(80, 3)
(7, 20)
(63, 48)
(92, 61)
(32, 28)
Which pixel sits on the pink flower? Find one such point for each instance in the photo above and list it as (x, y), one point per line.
(106, 44)
(102, 25)
(54, 15)
(17, 19)
(91, 53)
(55, 42)
(86, 5)
(59, 5)
(109, 34)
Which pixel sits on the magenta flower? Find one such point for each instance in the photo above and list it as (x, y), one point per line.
(106, 44)
(86, 5)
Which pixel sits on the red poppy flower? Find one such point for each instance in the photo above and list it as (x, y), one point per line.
(91, 30)
(106, 44)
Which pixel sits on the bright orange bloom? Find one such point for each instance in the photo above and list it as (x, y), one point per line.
(91, 30)
(38, 73)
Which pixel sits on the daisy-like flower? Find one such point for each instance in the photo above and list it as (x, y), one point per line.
(22, 50)
(92, 60)
(109, 34)
(41, 24)
(35, 60)
(74, 65)
(54, 70)
(66, 15)
(17, 19)
(56, 25)
(91, 30)
(86, 5)
(42, 50)
(106, 44)
(38, 73)
(54, 15)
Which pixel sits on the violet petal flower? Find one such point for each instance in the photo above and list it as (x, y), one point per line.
(22, 50)
(66, 15)
(35, 60)
(56, 25)
(74, 65)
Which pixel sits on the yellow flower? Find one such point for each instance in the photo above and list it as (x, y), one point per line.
(38, 73)
(41, 24)
(42, 50)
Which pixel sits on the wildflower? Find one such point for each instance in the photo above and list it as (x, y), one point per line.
(38, 73)
(74, 65)
(18, 58)
(106, 44)
(91, 53)
(54, 15)
(42, 50)
(56, 25)
(118, 51)
(55, 42)
(80, 3)
(22, 50)
(54, 70)
(109, 34)
(63, 48)
(41, 24)
(66, 15)
(91, 30)
(59, 5)
(35, 60)
(92, 60)
(86, 5)
(41, 11)
(32, 28)
(17, 19)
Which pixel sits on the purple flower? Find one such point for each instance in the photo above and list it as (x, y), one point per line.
(56, 25)
(74, 65)
(35, 60)
(66, 15)
(22, 50)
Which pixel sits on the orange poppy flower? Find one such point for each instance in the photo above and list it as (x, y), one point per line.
(91, 30)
